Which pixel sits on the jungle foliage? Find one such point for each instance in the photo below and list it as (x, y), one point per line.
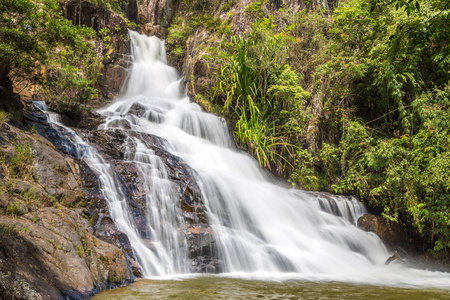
(39, 46)
(356, 103)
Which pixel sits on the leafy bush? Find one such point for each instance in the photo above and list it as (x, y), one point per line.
(389, 81)
(255, 10)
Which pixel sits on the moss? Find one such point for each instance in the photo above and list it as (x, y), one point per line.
(104, 260)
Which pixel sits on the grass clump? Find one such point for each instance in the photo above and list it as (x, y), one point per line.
(21, 163)
(4, 117)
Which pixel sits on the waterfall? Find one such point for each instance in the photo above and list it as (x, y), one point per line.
(258, 225)
(260, 228)
(164, 254)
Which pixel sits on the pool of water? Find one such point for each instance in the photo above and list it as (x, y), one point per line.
(220, 287)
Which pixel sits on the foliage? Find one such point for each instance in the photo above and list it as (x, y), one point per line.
(115, 5)
(39, 46)
(262, 94)
(390, 83)
(356, 103)
(183, 27)
(255, 10)
(14, 209)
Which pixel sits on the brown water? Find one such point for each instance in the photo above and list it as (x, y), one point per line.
(229, 288)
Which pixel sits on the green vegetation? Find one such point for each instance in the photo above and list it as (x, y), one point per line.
(255, 10)
(389, 80)
(261, 93)
(21, 163)
(80, 250)
(39, 46)
(4, 116)
(115, 5)
(14, 209)
(354, 103)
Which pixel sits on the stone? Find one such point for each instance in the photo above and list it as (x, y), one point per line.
(390, 233)
(53, 254)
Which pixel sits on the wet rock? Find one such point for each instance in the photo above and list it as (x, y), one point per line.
(390, 233)
(138, 110)
(153, 114)
(104, 227)
(121, 123)
(106, 230)
(201, 241)
(151, 141)
(49, 249)
(111, 142)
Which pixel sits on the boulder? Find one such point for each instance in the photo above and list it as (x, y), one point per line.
(390, 233)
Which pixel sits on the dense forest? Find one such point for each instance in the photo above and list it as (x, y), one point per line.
(350, 97)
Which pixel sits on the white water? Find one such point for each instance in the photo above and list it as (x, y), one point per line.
(262, 230)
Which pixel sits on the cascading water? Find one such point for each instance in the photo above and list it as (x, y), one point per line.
(161, 255)
(261, 229)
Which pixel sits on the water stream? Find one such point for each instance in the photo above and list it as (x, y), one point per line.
(263, 231)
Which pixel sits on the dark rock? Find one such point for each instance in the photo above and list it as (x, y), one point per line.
(390, 233)
(201, 241)
(120, 123)
(111, 142)
(90, 15)
(137, 109)
(116, 62)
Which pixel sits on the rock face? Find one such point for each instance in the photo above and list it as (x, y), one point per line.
(52, 252)
(52, 229)
(115, 48)
(155, 15)
(390, 233)
(91, 15)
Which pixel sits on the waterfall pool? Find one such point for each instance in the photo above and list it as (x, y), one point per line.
(222, 287)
